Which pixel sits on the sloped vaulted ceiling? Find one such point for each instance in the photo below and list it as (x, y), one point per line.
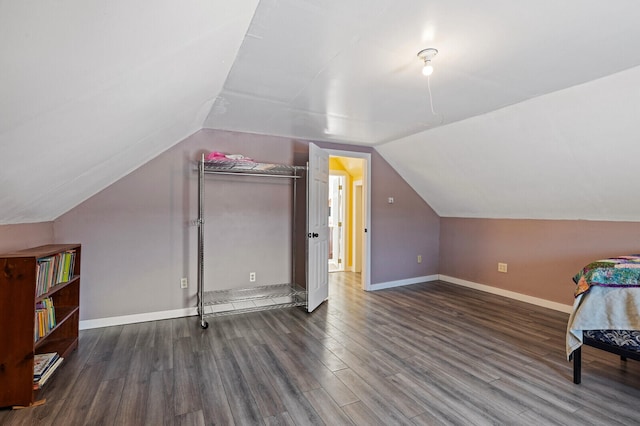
(571, 154)
(530, 112)
(347, 70)
(91, 90)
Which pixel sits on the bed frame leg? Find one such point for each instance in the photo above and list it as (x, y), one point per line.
(577, 365)
(623, 358)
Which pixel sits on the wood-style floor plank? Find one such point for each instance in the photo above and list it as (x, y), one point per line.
(376, 403)
(81, 397)
(104, 407)
(282, 419)
(68, 373)
(215, 406)
(360, 414)
(194, 418)
(243, 407)
(162, 349)
(186, 390)
(292, 397)
(310, 359)
(262, 389)
(438, 407)
(424, 354)
(327, 408)
(160, 409)
(133, 403)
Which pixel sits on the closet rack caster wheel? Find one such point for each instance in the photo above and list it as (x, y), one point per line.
(204, 324)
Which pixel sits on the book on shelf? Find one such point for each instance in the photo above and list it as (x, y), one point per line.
(54, 270)
(37, 384)
(45, 319)
(67, 262)
(42, 363)
(66, 266)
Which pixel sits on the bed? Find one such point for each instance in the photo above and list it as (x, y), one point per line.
(606, 310)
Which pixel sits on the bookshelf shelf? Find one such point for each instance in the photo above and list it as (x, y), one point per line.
(57, 288)
(20, 284)
(63, 314)
(62, 346)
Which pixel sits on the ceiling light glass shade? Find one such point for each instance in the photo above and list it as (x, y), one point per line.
(427, 69)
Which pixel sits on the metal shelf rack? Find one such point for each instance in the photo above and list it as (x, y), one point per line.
(235, 301)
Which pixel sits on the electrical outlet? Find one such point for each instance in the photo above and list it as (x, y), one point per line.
(419, 258)
(252, 277)
(502, 267)
(184, 283)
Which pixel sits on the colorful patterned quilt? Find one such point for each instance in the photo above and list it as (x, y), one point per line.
(623, 271)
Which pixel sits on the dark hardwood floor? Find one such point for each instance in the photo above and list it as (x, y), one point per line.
(426, 354)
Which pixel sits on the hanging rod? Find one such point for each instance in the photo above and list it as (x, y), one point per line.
(252, 174)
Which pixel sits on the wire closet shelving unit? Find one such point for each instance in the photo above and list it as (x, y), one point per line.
(223, 302)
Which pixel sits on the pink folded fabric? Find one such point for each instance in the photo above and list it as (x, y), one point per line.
(215, 155)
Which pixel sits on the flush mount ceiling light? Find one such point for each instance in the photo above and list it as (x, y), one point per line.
(426, 55)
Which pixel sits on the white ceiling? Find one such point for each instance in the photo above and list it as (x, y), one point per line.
(572, 154)
(526, 95)
(347, 71)
(91, 90)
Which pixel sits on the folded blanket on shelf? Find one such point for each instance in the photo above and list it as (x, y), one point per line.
(217, 156)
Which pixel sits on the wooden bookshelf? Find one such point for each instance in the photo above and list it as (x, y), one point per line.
(18, 299)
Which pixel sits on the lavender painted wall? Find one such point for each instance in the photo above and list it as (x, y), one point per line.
(542, 255)
(25, 235)
(400, 231)
(138, 240)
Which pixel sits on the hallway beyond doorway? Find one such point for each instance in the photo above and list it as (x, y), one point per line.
(343, 280)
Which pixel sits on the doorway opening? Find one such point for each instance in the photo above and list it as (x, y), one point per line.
(349, 195)
(338, 226)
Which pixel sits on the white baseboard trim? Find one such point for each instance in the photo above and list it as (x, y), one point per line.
(188, 312)
(407, 281)
(131, 319)
(510, 294)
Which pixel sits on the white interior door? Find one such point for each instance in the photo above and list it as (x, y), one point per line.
(317, 227)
